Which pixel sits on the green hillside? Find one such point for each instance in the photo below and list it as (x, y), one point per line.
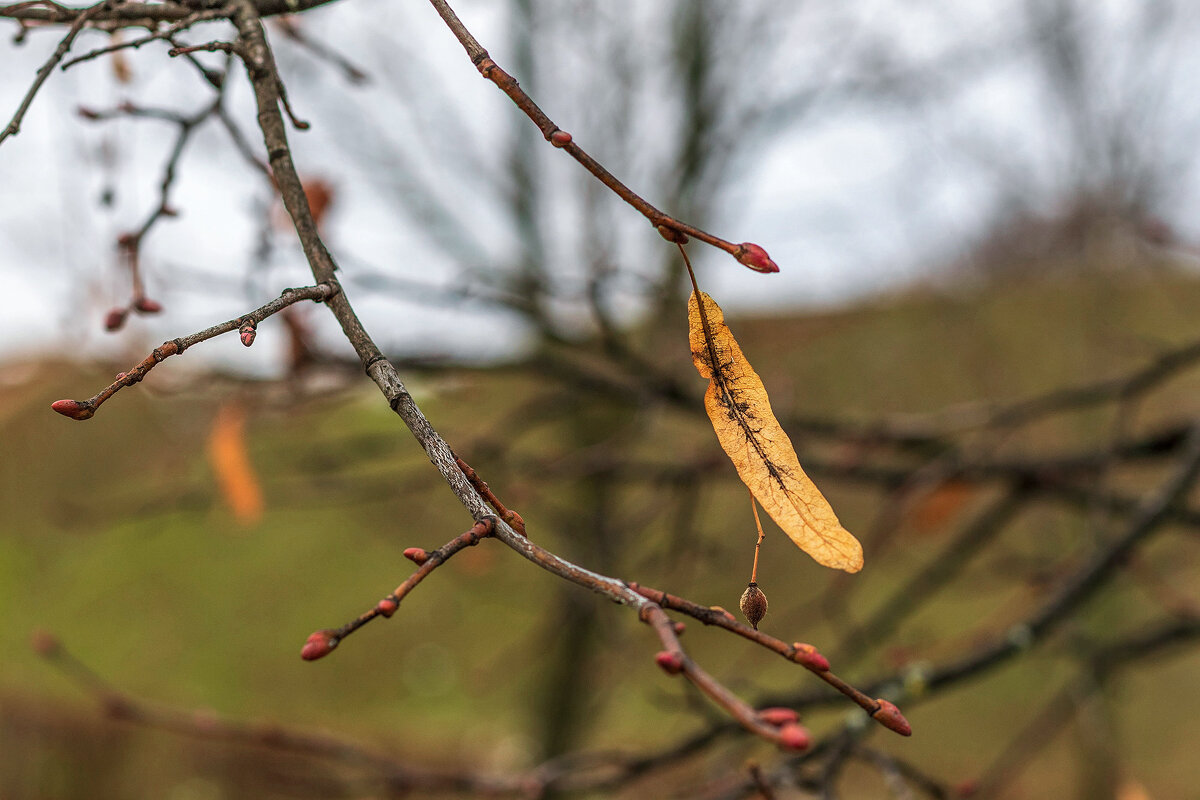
(114, 536)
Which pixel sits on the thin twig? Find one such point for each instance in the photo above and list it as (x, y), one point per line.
(81, 19)
(86, 409)
(671, 229)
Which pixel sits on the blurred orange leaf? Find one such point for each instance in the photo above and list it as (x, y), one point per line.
(940, 505)
(740, 410)
(230, 461)
(120, 61)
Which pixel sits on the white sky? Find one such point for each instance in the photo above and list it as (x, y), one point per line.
(853, 203)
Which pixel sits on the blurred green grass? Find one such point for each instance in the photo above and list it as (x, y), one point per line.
(115, 538)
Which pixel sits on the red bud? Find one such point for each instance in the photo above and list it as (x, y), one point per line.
(117, 707)
(672, 235)
(206, 720)
(248, 332)
(560, 138)
(794, 737)
(807, 656)
(723, 613)
(751, 255)
(679, 628)
(967, 788)
(890, 717)
(416, 555)
(670, 662)
(387, 606)
(73, 409)
(44, 643)
(778, 716)
(147, 306)
(114, 319)
(87, 113)
(319, 645)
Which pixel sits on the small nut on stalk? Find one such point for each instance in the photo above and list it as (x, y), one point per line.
(754, 604)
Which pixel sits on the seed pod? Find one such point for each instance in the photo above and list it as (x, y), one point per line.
(754, 604)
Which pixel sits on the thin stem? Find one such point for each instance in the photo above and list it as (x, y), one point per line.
(761, 536)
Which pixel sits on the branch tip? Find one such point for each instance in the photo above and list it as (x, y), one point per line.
(890, 717)
(114, 319)
(319, 644)
(74, 409)
(753, 256)
(145, 305)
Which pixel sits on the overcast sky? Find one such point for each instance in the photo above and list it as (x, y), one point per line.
(858, 201)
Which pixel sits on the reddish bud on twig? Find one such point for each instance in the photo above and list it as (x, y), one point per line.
(670, 662)
(44, 643)
(319, 645)
(778, 716)
(679, 628)
(560, 138)
(723, 612)
(751, 255)
(147, 306)
(672, 235)
(247, 333)
(114, 319)
(794, 737)
(73, 409)
(890, 717)
(206, 720)
(967, 788)
(127, 241)
(416, 555)
(87, 113)
(807, 656)
(168, 211)
(117, 707)
(387, 606)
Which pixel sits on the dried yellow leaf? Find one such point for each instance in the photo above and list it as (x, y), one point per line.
(740, 410)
